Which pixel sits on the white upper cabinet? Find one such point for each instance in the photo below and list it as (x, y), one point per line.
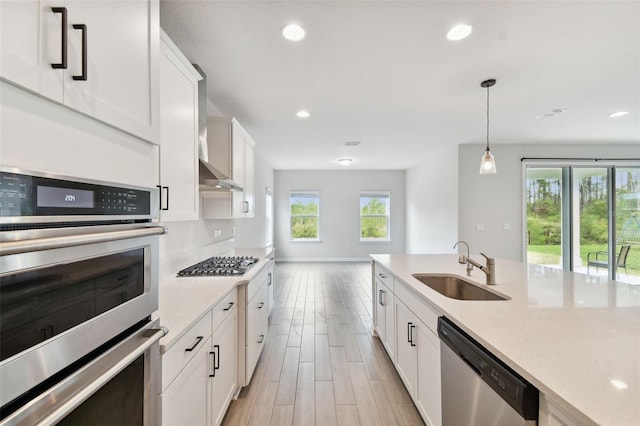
(178, 135)
(232, 152)
(98, 57)
(32, 42)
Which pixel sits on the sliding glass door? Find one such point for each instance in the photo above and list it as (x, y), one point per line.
(584, 219)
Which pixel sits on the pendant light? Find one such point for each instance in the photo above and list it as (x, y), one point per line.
(488, 164)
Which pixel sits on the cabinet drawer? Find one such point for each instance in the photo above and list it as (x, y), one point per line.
(257, 281)
(383, 275)
(225, 307)
(420, 307)
(178, 355)
(257, 327)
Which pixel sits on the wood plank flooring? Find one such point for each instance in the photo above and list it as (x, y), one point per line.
(320, 364)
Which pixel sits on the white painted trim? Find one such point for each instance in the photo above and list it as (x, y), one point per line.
(323, 259)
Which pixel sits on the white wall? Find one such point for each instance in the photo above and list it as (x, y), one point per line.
(432, 203)
(493, 200)
(339, 213)
(252, 232)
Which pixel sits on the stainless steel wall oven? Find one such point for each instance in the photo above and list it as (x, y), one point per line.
(78, 289)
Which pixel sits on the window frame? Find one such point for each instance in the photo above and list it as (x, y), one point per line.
(310, 194)
(380, 194)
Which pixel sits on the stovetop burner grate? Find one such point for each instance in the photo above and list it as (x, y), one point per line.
(219, 266)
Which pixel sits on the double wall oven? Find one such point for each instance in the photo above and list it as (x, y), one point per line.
(78, 292)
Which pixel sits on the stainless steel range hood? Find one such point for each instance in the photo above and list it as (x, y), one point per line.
(211, 179)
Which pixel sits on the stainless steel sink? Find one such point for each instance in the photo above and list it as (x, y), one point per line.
(457, 287)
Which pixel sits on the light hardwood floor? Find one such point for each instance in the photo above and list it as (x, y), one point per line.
(321, 365)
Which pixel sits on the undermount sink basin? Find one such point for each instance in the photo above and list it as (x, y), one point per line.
(457, 287)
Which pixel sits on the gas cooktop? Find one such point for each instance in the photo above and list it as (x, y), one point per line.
(220, 266)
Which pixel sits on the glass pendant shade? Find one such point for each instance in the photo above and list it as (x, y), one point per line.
(488, 164)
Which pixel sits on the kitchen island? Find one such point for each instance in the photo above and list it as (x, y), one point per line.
(575, 337)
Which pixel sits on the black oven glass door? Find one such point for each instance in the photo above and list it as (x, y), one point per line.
(36, 305)
(119, 402)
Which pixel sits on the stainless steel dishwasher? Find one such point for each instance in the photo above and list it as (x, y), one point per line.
(477, 388)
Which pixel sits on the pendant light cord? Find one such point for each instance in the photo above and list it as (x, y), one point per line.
(488, 119)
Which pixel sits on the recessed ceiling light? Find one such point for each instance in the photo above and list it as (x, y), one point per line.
(345, 161)
(303, 114)
(293, 32)
(618, 114)
(619, 384)
(458, 32)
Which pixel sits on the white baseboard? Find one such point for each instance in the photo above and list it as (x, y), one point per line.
(323, 259)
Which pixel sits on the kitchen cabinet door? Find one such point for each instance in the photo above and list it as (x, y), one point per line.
(178, 135)
(31, 34)
(249, 193)
(257, 327)
(116, 71)
(184, 402)
(381, 323)
(428, 399)
(223, 382)
(406, 355)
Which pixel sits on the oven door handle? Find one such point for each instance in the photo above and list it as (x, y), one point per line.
(79, 386)
(38, 244)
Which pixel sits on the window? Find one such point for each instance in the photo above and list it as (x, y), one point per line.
(304, 208)
(374, 216)
(569, 210)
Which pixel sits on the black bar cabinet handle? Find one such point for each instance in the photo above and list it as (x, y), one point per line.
(228, 307)
(245, 207)
(216, 359)
(213, 364)
(83, 28)
(63, 62)
(261, 338)
(381, 275)
(380, 293)
(409, 337)
(167, 188)
(160, 197)
(411, 329)
(198, 340)
(270, 279)
(261, 305)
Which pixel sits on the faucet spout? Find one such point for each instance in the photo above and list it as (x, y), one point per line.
(462, 259)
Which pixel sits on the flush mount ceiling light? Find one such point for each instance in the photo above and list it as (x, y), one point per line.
(618, 114)
(293, 32)
(303, 114)
(458, 32)
(488, 164)
(345, 161)
(552, 112)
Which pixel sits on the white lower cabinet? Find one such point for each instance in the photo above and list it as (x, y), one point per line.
(551, 415)
(385, 322)
(257, 326)
(407, 327)
(199, 372)
(184, 402)
(418, 363)
(223, 375)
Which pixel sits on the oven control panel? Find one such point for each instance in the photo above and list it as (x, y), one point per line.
(25, 195)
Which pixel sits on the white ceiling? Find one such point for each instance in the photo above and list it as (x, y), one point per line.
(383, 73)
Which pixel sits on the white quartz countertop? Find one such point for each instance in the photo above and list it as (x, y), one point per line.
(570, 335)
(184, 300)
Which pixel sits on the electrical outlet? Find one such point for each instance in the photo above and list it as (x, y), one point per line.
(506, 226)
(479, 227)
